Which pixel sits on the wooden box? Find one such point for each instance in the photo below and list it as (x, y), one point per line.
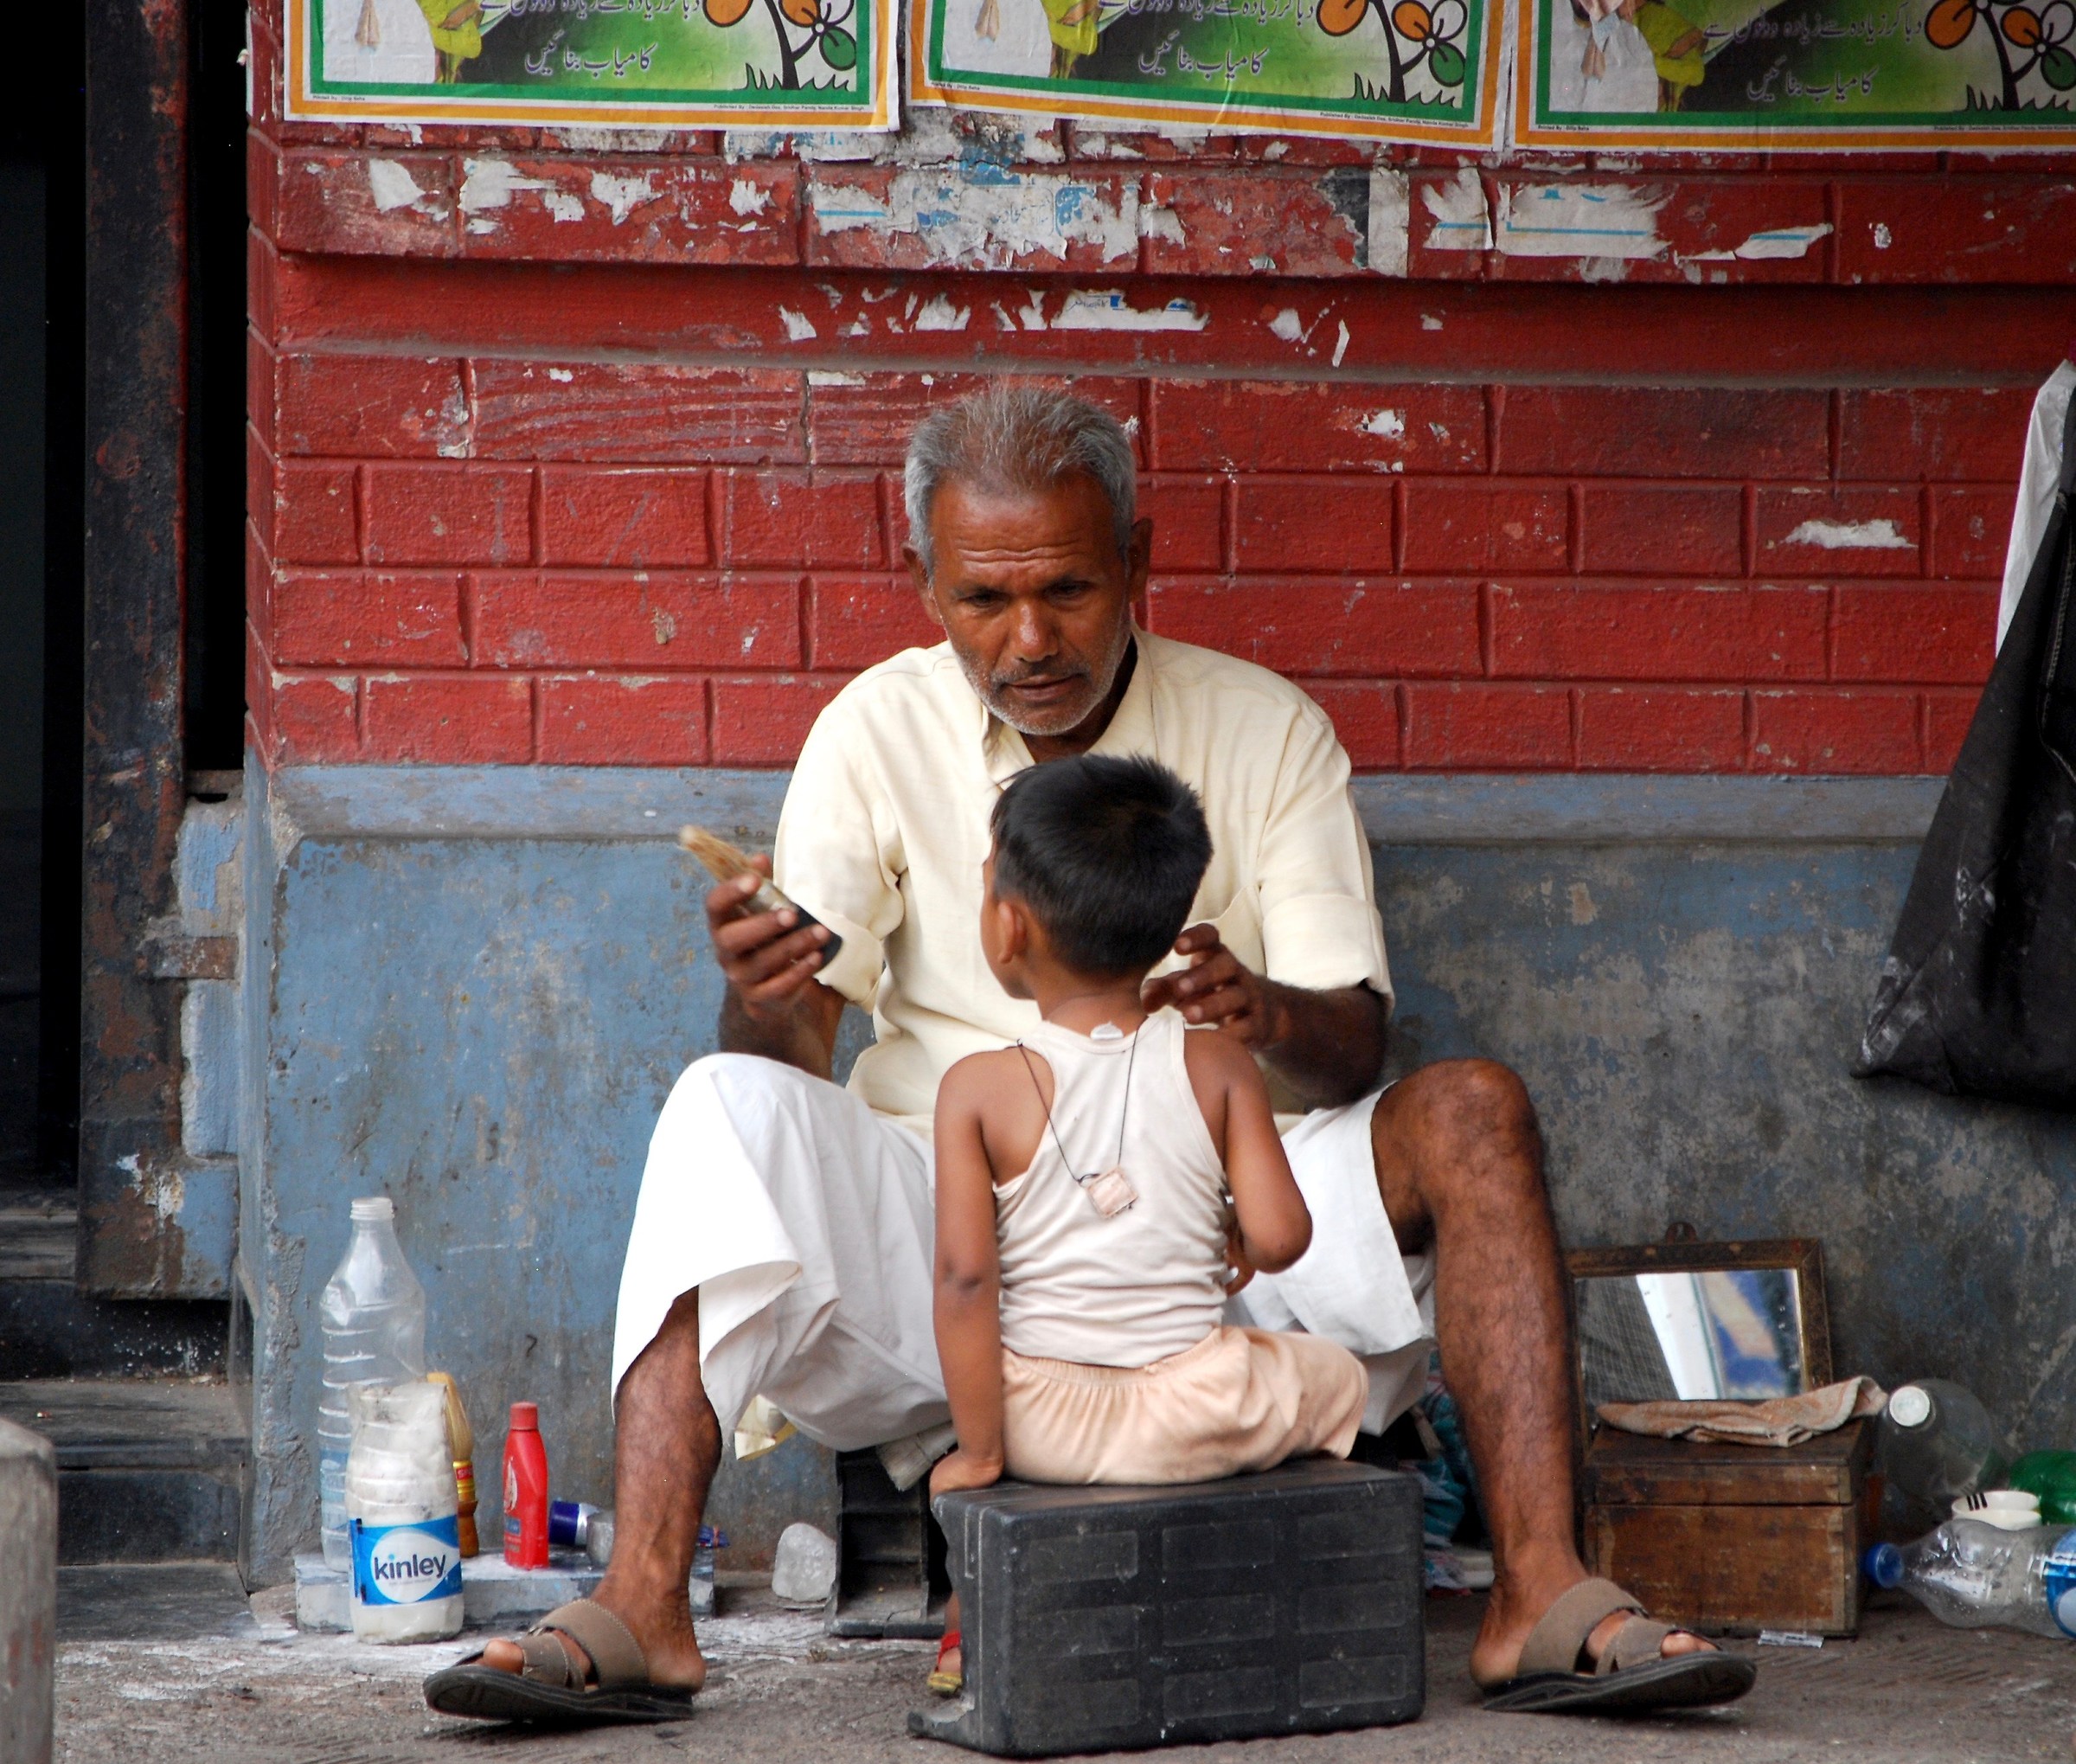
(1731, 1539)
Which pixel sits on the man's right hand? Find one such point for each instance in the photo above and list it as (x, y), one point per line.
(766, 958)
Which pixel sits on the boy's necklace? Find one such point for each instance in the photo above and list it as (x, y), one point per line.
(1112, 1192)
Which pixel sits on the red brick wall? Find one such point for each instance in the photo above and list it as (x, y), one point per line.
(531, 489)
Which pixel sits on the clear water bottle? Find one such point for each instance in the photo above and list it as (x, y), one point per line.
(1934, 1445)
(1969, 1573)
(372, 1315)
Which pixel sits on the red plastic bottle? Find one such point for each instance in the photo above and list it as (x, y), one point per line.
(525, 1490)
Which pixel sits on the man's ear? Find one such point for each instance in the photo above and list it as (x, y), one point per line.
(1138, 556)
(920, 577)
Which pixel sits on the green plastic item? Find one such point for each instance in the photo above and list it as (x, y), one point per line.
(2051, 1476)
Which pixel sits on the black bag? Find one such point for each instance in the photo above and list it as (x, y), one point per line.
(1978, 995)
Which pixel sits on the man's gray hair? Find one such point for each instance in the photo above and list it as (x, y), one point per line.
(1018, 438)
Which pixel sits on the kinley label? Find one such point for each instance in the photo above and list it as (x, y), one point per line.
(406, 1564)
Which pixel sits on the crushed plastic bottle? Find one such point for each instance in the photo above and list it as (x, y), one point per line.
(400, 1515)
(1970, 1574)
(1935, 1444)
(372, 1315)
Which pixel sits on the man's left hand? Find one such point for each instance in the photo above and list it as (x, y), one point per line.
(961, 1469)
(1218, 989)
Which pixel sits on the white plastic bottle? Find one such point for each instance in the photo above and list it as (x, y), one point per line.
(373, 1314)
(400, 1515)
(1968, 1573)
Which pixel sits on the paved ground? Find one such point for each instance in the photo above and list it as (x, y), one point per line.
(171, 1666)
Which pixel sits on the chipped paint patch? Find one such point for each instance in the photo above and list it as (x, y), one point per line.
(1459, 218)
(747, 197)
(1341, 344)
(829, 377)
(987, 224)
(940, 314)
(1093, 308)
(391, 185)
(1851, 536)
(621, 195)
(563, 376)
(1774, 242)
(798, 327)
(1386, 425)
(563, 205)
(1608, 223)
(490, 183)
(1390, 226)
(1162, 224)
(1287, 325)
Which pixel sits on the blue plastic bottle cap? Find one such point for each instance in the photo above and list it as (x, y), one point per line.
(1884, 1565)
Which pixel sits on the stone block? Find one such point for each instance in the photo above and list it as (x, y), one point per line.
(28, 1592)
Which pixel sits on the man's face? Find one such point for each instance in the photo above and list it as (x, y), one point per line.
(1034, 598)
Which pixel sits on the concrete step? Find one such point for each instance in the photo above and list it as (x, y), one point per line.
(39, 1235)
(149, 1470)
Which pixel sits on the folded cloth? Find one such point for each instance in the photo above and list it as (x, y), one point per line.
(1775, 1420)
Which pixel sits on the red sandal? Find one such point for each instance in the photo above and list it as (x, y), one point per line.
(941, 1682)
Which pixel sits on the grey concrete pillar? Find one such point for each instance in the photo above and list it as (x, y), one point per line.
(28, 1592)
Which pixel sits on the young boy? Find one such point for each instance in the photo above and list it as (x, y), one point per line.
(1083, 1176)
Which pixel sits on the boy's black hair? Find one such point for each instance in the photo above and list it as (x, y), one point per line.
(1107, 853)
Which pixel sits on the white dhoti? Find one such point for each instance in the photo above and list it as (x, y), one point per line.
(805, 1223)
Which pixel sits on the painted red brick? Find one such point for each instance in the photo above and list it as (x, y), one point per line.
(1648, 432)
(1293, 523)
(597, 720)
(262, 195)
(653, 623)
(348, 202)
(392, 407)
(1660, 728)
(762, 720)
(1947, 717)
(366, 617)
(1655, 528)
(822, 520)
(636, 413)
(1454, 525)
(1366, 717)
(1698, 214)
(1254, 221)
(1290, 426)
(1849, 532)
(307, 719)
(1933, 431)
(1355, 626)
(449, 719)
(846, 203)
(657, 208)
(1910, 634)
(855, 621)
(1970, 531)
(1818, 732)
(1189, 521)
(866, 418)
(312, 505)
(428, 513)
(1957, 228)
(1592, 630)
(1477, 727)
(631, 518)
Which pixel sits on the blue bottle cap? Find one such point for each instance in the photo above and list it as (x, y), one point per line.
(1884, 1565)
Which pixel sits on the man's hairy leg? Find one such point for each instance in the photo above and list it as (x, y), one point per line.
(667, 1445)
(1459, 1164)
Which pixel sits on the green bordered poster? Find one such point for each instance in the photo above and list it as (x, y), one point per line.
(685, 64)
(1773, 74)
(1400, 70)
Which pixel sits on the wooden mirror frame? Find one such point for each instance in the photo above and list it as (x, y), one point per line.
(1803, 1255)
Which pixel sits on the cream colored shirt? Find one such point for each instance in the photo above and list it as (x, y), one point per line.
(885, 829)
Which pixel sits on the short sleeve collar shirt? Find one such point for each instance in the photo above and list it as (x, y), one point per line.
(885, 829)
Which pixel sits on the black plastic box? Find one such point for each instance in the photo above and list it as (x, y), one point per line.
(1100, 1618)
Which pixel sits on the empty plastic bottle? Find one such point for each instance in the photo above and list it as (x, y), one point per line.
(1935, 1444)
(2051, 1476)
(373, 1314)
(1969, 1573)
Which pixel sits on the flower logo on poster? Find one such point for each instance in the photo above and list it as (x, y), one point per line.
(2039, 39)
(1415, 34)
(822, 22)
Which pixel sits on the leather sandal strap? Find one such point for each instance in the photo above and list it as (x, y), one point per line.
(616, 1660)
(1556, 1642)
(547, 1661)
(1638, 1643)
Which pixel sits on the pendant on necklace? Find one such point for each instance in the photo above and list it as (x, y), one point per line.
(1111, 1193)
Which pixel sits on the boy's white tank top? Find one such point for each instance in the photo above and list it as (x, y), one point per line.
(1142, 1283)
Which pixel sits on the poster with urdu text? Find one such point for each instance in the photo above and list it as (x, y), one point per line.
(689, 64)
(1773, 74)
(1406, 70)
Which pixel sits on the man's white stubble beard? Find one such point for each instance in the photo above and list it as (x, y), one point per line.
(1104, 676)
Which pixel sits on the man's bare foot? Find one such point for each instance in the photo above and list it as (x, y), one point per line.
(1517, 1603)
(664, 1635)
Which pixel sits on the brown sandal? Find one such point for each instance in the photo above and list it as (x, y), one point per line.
(1631, 1676)
(549, 1690)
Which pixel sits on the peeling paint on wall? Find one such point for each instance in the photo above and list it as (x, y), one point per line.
(1851, 536)
(1460, 220)
(391, 185)
(986, 223)
(1610, 222)
(622, 195)
(798, 327)
(1095, 309)
(1774, 242)
(489, 183)
(1390, 225)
